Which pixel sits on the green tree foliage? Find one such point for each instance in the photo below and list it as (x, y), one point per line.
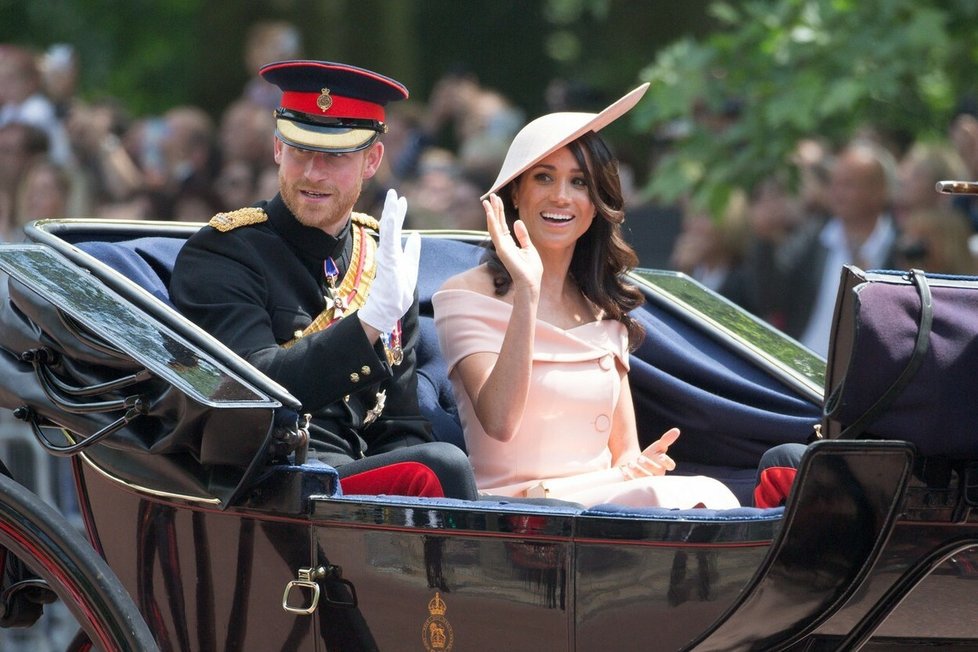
(801, 68)
(138, 49)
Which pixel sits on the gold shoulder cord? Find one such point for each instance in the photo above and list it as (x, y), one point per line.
(225, 222)
(365, 220)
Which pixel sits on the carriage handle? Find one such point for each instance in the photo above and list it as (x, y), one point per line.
(53, 387)
(308, 580)
(25, 413)
(40, 358)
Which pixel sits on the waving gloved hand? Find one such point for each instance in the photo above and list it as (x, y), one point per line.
(392, 291)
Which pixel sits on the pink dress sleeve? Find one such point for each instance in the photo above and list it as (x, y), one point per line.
(468, 323)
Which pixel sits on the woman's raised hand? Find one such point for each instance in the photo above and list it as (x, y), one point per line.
(520, 257)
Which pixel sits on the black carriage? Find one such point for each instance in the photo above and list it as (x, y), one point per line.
(205, 529)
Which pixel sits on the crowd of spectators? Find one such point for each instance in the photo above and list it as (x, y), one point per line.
(775, 248)
(97, 159)
(778, 249)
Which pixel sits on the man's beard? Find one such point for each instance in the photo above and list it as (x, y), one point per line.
(329, 217)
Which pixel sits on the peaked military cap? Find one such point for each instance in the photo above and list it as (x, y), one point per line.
(330, 107)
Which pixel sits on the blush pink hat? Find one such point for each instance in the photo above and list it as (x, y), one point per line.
(550, 132)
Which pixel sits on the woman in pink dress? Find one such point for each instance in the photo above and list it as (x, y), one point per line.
(537, 337)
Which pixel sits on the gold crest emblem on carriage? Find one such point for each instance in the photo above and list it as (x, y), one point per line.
(437, 634)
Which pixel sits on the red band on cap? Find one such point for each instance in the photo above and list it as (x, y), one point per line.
(342, 107)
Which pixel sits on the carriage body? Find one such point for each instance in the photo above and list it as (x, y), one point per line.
(225, 540)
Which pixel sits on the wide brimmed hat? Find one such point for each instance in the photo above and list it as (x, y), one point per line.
(330, 107)
(550, 132)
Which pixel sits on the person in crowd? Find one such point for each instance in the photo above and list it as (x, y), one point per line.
(20, 145)
(861, 231)
(109, 171)
(483, 122)
(774, 213)
(918, 172)
(712, 248)
(177, 158)
(43, 194)
(441, 197)
(195, 202)
(298, 287)
(60, 70)
(243, 133)
(812, 158)
(236, 185)
(244, 150)
(536, 338)
(188, 147)
(936, 240)
(268, 40)
(22, 99)
(963, 135)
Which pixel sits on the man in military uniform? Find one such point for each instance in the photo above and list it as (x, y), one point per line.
(298, 286)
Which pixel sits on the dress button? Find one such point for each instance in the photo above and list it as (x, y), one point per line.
(602, 423)
(365, 370)
(354, 377)
(297, 334)
(605, 362)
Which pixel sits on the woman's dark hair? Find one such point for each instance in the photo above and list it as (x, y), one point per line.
(601, 256)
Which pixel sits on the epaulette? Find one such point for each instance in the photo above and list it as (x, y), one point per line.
(366, 221)
(225, 222)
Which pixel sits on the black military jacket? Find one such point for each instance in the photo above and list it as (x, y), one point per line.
(255, 286)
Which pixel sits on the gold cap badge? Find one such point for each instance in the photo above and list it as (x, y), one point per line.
(324, 101)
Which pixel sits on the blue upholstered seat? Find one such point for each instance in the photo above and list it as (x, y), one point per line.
(148, 261)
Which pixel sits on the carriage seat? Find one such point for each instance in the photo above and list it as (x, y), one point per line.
(148, 262)
(729, 410)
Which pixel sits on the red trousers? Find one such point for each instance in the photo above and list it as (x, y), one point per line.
(400, 479)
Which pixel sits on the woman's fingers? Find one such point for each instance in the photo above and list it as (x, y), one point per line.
(522, 235)
(496, 220)
(657, 464)
(662, 444)
(654, 460)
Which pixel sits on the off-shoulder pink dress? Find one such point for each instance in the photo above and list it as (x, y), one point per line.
(576, 382)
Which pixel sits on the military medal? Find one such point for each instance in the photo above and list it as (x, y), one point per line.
(331, 273)
(392, 345)
(377, 409)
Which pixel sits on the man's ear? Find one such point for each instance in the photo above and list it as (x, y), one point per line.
(374, 155)
(277, 149)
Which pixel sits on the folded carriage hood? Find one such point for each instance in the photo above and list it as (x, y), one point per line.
(78, 357)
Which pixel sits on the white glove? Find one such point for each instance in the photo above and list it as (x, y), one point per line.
(392, 291)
